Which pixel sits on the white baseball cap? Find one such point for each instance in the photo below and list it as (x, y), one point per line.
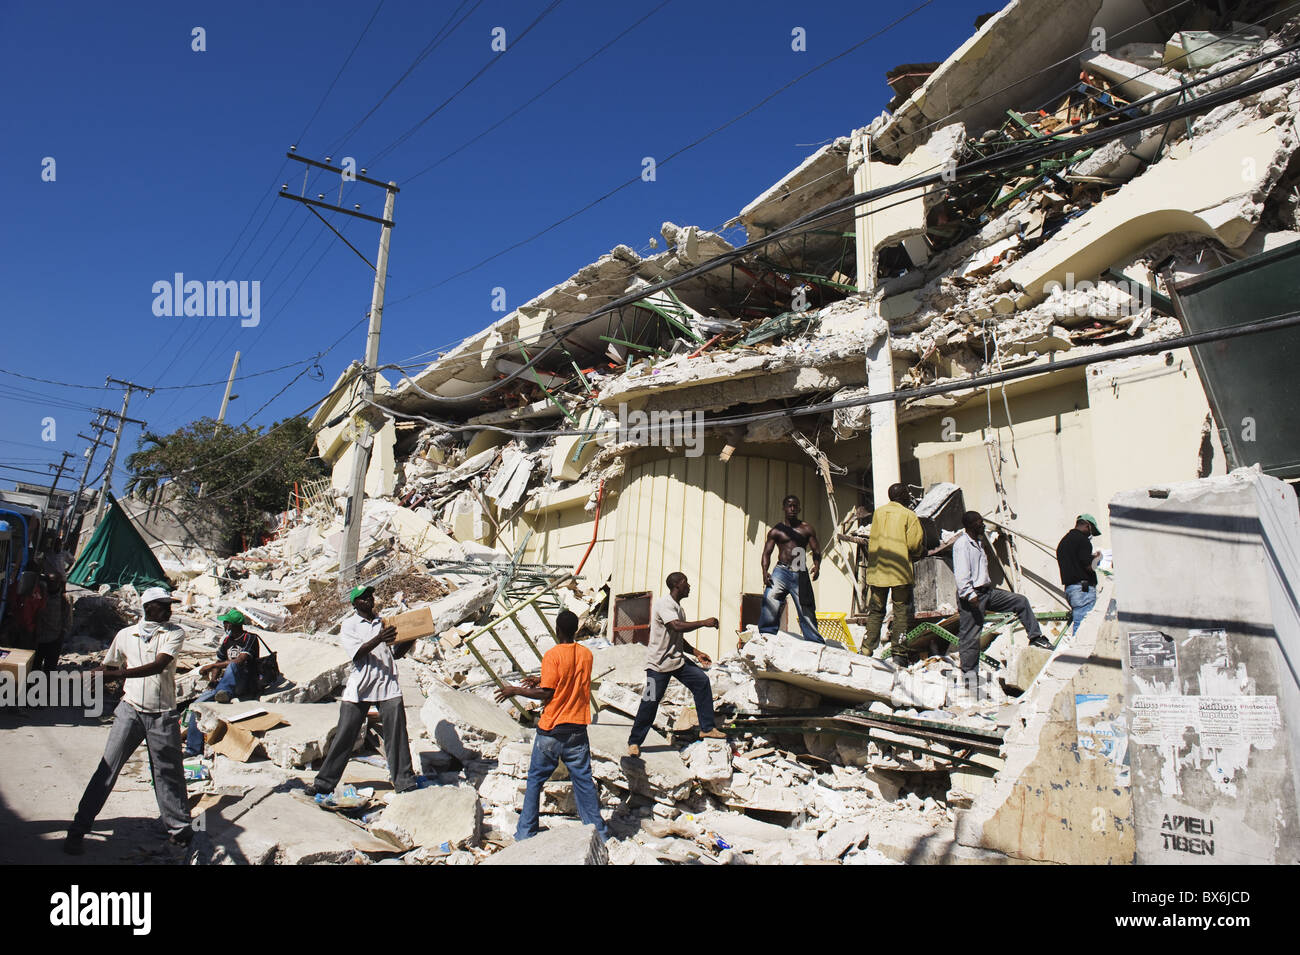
(155, 593)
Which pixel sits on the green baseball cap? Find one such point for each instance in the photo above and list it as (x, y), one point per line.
(356, 592)
(1091, 520)
(232, 616)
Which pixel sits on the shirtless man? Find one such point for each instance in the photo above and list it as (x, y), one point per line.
(792, 576)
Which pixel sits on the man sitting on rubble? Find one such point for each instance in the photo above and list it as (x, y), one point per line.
(975, 595)
(792, 576)
(237, 660)
(665, 660)
(564, 689)
(373, 681)
(1075, 559)
(896, 540)
(147, 713)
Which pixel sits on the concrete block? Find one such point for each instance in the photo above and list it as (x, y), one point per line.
(565, 845)
(840, 838)
(268, 827)
(433, 816)
(658, 772)
(314, 667)
(922, 689)
(709, 760)
(466, 725)
(1023, 664)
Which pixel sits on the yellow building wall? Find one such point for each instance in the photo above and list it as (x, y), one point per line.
(1077, 442)
(708, 519)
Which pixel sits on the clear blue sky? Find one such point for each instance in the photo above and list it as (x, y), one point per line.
(163, 154)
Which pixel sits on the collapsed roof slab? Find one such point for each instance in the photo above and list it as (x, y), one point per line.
(819, 179)
(1021, 55)
(474, 364)
(1217, 190)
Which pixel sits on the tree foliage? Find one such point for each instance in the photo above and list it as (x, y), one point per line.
(217, 477)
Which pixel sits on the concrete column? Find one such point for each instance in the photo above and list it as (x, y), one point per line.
(885, 465)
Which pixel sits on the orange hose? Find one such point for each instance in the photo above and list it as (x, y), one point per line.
(600, 496)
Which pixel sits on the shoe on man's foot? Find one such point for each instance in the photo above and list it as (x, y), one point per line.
(1041, 642)
(72, 845)
(714, 733)
(182, 838)
(633, 750)
(222, 696)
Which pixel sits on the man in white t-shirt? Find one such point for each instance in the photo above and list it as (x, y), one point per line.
(373, 681)
(666, 660)
(144, 658)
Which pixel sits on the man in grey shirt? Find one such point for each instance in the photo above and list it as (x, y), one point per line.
(975, 595)
(665, 659)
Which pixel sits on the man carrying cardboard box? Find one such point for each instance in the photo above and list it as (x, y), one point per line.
(146, 714)
(373, 681)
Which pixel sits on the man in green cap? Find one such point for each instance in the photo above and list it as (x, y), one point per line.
(372, 682)
(237, 660)
(1074, 557)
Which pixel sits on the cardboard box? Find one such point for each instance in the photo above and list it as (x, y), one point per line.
(412, 625)
(19, 663)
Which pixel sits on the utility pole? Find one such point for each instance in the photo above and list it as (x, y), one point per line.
(122, 419)
(221, 416)
(100, 425)
(58, 473)
(348, 554)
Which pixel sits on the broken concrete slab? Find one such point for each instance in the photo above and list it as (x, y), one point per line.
(918, 843)
(313, 666)
(274, 827)
(1023, 665)
(769, 844)
(466, 725)
(755, 696)
(658, 772)
(447, 817)
(565, 845)
(840, 838)
(828, 671)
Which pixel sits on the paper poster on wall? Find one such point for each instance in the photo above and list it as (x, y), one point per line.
(1151, 649)
(1099, 736)
(1211, 722)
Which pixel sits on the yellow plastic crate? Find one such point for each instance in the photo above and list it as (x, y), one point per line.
(833, 626)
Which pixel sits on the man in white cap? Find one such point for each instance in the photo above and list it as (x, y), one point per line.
(373, 680)
(143, 656)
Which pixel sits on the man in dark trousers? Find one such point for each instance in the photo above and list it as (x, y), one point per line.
(144, 658)
(237, 662)
(1074, 557)
(975, 595)
(896, 540)
(565, 691)
(665, 659)
(799, 560)
(373, 681)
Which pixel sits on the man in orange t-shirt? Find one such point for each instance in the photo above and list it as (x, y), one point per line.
(564, 689)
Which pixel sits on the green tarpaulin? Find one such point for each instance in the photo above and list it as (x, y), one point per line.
(117, 555)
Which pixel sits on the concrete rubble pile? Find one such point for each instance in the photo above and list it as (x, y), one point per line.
(476, 505)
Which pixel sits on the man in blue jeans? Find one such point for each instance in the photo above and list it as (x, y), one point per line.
(665, 660)
(564, 689)
(1074, 557)
(796, 543)
(237, 658)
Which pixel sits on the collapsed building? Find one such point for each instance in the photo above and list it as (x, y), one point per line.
(1030, 217)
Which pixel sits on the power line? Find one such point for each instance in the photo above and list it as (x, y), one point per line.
(528, 102)
(659, 163)
(469, 82)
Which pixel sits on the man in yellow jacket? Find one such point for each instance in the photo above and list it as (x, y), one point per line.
(896, 540)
